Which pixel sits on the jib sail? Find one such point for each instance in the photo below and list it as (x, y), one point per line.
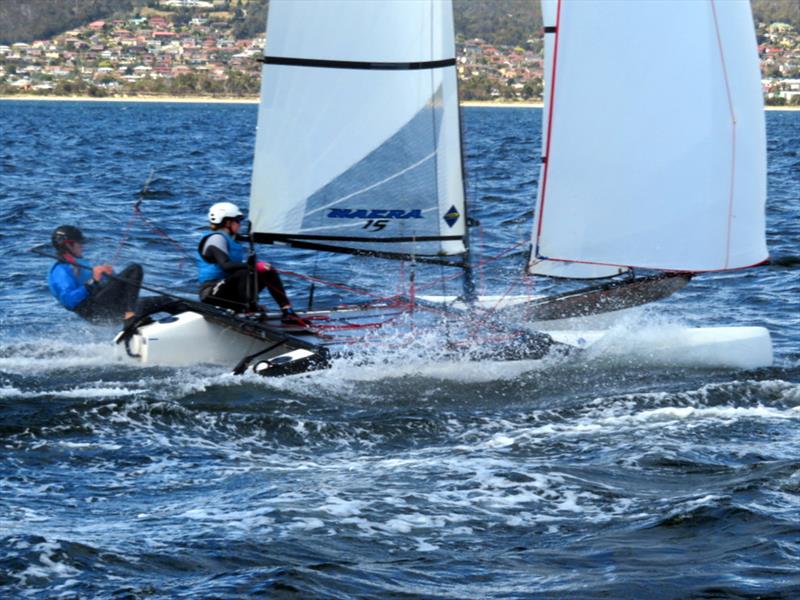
(654, 144)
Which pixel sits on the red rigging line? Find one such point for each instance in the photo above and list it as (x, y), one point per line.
(733, 134)
(399, 294)
(332, 284)
(125, 234)
(349, 326)
(509, 289)
(482, 263)
(137, 212)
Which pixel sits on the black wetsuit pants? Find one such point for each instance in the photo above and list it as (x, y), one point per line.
(231, 292)
(110, 300)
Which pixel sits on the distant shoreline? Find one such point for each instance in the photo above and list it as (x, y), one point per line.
(489, 103)
(164, 99)
(219, 100)
(254, 100)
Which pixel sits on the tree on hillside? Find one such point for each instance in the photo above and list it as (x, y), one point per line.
(25, 21)
(182, 17)
(500, 22)
(253, 19)
(777, 11)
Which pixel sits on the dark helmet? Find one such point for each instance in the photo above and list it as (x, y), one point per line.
(64, 234)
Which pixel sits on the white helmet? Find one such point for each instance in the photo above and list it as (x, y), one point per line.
(223, 210)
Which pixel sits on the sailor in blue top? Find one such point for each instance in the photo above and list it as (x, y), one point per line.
(89, 291)
(222, 267)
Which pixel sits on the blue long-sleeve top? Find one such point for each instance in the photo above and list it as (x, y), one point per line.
(68, 287)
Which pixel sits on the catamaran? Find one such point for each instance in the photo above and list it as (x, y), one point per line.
(653, 158)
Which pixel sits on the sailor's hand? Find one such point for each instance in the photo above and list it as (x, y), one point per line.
(261, 266)
(100, 270)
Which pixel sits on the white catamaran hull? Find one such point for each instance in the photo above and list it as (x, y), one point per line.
(190, 339)
(687, 347)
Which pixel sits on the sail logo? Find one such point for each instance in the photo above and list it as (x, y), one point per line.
(377, 219)
(364, 213)
(451, 216)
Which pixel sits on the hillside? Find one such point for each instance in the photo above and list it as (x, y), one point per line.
(777, 11)
(501, 22)
(26, 20)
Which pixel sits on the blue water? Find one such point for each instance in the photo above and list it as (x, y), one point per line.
(578, 480)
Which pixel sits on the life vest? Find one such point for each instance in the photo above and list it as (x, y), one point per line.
(67, 280)
(211, 271)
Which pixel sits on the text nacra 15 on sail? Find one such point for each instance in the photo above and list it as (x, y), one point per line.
(653, 157)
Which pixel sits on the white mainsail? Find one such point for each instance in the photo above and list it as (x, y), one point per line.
(654, 138)
(359, 145)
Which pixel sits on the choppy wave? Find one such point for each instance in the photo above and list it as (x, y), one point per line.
(218, 491)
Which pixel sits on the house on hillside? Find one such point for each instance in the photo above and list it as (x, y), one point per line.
(159, 23)
(187, 4)
(56, 71)
(181, 70)
(790, 90)
(22, 84)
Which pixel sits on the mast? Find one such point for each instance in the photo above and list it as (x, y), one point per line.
(469, 289)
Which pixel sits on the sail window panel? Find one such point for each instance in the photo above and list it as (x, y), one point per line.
(643, 163)
(389, 31)
(355, 157)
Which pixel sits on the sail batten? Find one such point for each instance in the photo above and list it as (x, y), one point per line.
(655, 152)
(359, 144)
(352, 64)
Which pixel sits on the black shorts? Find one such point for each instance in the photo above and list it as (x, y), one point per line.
(110, 300)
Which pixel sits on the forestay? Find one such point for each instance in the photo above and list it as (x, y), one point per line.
(654, 137)
(358, 145)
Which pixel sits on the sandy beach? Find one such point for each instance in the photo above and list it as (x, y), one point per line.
(502, 104)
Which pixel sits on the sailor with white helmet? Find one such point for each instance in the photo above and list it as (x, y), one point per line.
(222, 267)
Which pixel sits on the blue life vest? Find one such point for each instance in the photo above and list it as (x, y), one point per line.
(68, 287)
(211, 271)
